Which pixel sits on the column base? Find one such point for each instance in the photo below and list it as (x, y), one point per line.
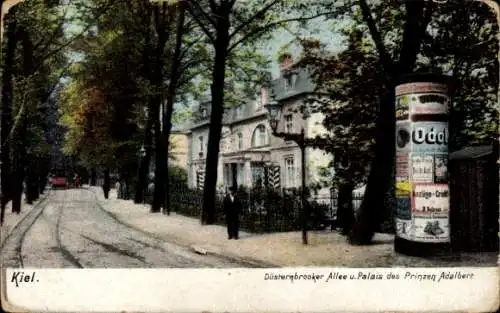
(421, 249)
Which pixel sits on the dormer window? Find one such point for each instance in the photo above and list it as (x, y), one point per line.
(201, 145)
(289, 82)
(203, 112)
(240, 141)
(258, 103)
(239, 111)
(294, 79)
(288, 123)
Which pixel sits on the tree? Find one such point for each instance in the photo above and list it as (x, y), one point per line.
(463, 45)
(133, 56)
(231, 25)
(346, 91)
(421, 37)
(107, 74)
(33, 51)
(175, 73)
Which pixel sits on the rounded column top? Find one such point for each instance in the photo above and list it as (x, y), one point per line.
(422, 83)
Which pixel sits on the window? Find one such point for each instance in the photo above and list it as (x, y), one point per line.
(240, 174)
(240, 141)
(288, 123)
(289, 81)
(257, 174)
(289, 172)
(203, 112)
(259, 104)
(239, 111)
(260, 137)
(200, 140)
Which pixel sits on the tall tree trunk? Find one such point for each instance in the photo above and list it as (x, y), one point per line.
(159, 190)
(20, 155)
(169, 106)
(19, 165)
(346, 188)
(106, 186)
(26, 172)
(142, 172)
(31, 191)
(6, 110)
(144, 163)
(162, 27)
(93, 177)
(217, 88)
(380, 177)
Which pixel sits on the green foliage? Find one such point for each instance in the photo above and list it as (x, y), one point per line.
(121, 57)
(35, 81)
(347, 94)
(177, 176)
(463, 43)
(460, 41)
(182, 115)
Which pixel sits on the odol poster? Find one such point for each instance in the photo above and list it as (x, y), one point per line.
(422, 212)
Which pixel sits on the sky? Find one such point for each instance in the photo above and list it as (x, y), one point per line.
(319, 29)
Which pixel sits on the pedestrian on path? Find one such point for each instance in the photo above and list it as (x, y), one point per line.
(106, 186)
(77, 180)
(232, 209)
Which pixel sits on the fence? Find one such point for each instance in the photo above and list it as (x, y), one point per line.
(264, 211)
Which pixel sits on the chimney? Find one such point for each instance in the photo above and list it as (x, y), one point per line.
(263, 96)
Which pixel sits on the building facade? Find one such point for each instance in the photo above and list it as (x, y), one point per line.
(247, 145)
(179, 148)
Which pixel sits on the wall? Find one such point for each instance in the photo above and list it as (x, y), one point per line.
(316, 158)
(280, 149)
(197, 160)
(247, 128)
(179, 150)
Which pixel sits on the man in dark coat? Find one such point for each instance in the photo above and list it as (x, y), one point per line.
(232, 209)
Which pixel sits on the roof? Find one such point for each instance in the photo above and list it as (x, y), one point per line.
(303, 84)
(181, 128)
(248, 108)
(472, 152)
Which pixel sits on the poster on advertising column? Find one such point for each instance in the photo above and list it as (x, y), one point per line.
(441, 168)
(430, 212)
(403, 188)
(429, 137)
(431, 229)
(430, 200)
(428, 103)
(422, 168)
(403, 208)
(403, 137)
(404, 228)
(402, 108)
(402, 167)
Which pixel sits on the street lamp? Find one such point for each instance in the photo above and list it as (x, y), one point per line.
(274, 115)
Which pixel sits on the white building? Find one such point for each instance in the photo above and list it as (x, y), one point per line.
(247, 144)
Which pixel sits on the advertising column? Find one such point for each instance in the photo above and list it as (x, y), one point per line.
(422, 191)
